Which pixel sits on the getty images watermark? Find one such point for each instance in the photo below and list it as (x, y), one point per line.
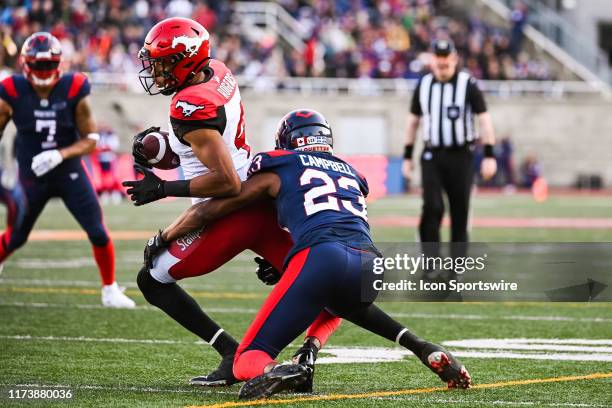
(432, 265)
(488, 272)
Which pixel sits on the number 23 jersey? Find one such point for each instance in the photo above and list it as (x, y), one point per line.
(321, 198)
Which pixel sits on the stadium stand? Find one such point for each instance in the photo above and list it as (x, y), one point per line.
(368, 39)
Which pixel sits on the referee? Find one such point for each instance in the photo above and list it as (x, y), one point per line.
(445, 102)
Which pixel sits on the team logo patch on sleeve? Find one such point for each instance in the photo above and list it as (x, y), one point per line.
(187, 108)
(192, 44)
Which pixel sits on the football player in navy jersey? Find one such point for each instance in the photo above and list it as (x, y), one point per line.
(55, 127)
(13, 197)
(320, 199)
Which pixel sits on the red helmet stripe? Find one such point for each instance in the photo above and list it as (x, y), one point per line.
(304, 114)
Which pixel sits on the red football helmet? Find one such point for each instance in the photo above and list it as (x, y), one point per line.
(175, 49)
(41, 56)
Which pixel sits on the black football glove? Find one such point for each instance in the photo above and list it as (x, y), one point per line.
(154, 246)
(266, 272)
(137, 147)
(150, 188)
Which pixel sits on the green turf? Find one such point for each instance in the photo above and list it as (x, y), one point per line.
(51, 304)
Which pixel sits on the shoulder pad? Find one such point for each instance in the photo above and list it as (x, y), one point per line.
(79, 85)
(269, 161)
(363, 182)
(194, 103)
(7, 87)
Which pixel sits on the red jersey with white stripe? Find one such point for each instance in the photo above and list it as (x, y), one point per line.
(214, 104)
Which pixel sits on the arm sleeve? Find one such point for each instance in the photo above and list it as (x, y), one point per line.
(475, 97)
(415, 106)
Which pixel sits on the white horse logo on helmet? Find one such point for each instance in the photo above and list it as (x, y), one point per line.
(192, 44)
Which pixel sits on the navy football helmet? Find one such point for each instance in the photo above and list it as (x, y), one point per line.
(304, 130)
(41, 55)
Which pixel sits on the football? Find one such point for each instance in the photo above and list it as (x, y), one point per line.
(156, 148)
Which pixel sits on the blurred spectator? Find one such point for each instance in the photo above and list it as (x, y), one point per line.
(530, 171)
(518, 18)
(505, 162)
(344, 38)
(104, 159)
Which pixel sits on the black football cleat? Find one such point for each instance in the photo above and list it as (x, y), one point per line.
(446, 366)
(280, 378)
(223, 376)
(306, 356)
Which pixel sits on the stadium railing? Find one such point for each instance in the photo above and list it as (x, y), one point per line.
(369, 86)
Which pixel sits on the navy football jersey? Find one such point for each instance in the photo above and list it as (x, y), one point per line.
(44, 124)
(321, 198)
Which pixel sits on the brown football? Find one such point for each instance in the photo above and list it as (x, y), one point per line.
(156, 148)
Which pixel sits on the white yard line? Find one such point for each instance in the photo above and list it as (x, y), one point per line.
(396, 315)
(97, 340)
(492, 317)
(350, 354)
(94, 284)
(236, 310)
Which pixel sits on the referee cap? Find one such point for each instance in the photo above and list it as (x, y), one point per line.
(442, 47)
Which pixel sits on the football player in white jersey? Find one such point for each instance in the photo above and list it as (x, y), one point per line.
(207, 132)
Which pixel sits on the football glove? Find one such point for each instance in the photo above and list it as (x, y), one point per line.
(154, 246)
(266, 272)
(137, 147)
(150, 188)
(46, 161)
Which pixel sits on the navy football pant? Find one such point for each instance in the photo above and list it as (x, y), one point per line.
(325, 276)
(16, 207)
(77, 193)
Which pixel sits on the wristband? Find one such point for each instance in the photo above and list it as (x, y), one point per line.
(408, 151)
(178, 188)
(488, 150)
(93, 136)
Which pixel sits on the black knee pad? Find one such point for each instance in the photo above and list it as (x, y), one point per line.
(153, 290)
(147, 283)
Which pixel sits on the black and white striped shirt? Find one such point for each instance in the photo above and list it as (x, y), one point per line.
(447, 109)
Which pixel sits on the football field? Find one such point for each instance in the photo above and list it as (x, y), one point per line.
(55, 334)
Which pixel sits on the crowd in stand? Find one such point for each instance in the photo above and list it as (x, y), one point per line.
(343, 38)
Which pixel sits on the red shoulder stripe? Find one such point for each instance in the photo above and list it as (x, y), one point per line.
(9, 86)
(77, 82)
(278, 153)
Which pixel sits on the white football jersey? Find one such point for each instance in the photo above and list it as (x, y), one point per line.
(213, 104)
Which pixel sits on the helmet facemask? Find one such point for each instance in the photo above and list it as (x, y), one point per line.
(42, 72)
(164, 67)
(158, 68)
